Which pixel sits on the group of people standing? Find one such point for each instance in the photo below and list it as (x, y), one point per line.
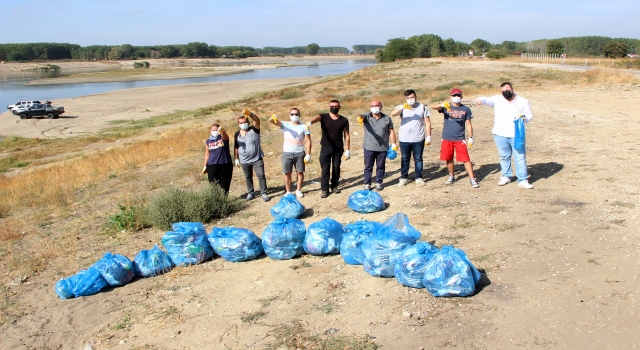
(379, 137)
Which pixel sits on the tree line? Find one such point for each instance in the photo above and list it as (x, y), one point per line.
(431, 45)
(64, 51)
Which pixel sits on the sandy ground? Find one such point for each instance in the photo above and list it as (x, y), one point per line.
(561, 262)
(88, 114)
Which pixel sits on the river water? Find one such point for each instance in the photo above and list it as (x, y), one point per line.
(15, 86)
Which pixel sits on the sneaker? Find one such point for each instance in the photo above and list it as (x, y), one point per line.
(504, 181)
(379, 187)
(265, 198)
(450, 180)
(420, 182)
(403, 182)
(250, 196)
(525, 184)
(367, 187)
(474, 183)
(299, 194)
(324, 194)
(335, 190)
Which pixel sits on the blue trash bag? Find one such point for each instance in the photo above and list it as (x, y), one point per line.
(364, 201)
(391, 154)
(288, 207)
(381, 251)
(450, 273)
(284, 238)
(84, 283)
(324, 237)
(412, 264)
(520, 138)
(116, 269)
(235, 244)
(351, 245)
(400, 225)
(153, 262)
(187, 244)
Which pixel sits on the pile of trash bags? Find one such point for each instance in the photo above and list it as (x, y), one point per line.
(288, 207)
(324, 237)
(153, 262)
(235, 244)
(283, 238)
(357, 232)
(365, 201)
(388, 249)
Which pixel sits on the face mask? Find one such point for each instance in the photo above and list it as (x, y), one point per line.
(456, 99)
(375, 110)
(411, 101)
(244, 126)
(334, 110)
(508, 94)
(294, 118)
(215, 133)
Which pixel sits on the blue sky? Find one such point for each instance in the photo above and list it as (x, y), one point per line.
(298, 23)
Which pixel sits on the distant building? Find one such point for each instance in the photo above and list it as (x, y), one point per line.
(517, 53)
(633, 55)
(471, 52)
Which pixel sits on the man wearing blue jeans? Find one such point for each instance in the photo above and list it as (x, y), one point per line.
(508, 108)
(414, 123)
(378, 131)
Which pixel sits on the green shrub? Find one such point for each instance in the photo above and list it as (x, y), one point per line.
(202, 205)
(129, 218)
(141, 64)
(496, 54)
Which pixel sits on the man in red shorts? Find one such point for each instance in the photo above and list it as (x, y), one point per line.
(457, 117)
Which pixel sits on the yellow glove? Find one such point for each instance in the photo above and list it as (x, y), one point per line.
(204, 170)
(360, 120)
(446, 105)
(394, 147)
(406, 106)
(246, 112)
(274, 118)
(221, 129)
(427, 141)
(307, 159)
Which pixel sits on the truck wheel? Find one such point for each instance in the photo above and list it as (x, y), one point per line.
(23, 116)
(50, 115)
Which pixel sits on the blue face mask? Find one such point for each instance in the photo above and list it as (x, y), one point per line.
(244, 126)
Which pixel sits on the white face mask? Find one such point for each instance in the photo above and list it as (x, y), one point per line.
(244, 126)
(411, 101)
(294, 118)
(215, 133)
(456, 99)
(375, 110)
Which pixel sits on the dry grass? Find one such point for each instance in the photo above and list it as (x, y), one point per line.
(609, 76)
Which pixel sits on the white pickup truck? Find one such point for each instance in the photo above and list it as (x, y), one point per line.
(21, 104)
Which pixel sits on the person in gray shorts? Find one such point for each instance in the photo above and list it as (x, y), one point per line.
(296, 149)
(248, 152)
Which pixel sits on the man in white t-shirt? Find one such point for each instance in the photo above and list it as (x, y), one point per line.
(414, 124)
(508, 107)
(296, 149)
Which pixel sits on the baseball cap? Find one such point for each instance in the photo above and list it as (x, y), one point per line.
(456, 91)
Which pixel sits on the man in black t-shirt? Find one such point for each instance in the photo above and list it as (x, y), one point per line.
(334, 143)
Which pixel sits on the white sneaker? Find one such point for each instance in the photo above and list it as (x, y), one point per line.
(420, 182)
(299, 194)
(525, 184)
(367, 187)
(504, 181)
(402, 182)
